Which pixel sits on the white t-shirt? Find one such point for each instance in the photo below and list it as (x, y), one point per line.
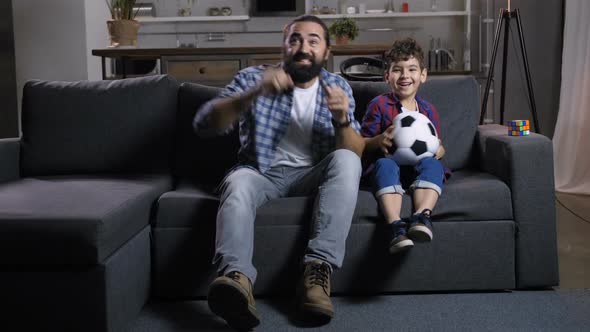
(409, 110)
(294, 150)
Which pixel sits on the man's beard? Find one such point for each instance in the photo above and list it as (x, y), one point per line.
(302, 73)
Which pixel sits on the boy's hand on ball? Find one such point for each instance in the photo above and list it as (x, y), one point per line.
(440, 152)
(386, 140)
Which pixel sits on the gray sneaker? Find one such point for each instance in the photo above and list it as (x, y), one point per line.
(398, 240)
(420, 228)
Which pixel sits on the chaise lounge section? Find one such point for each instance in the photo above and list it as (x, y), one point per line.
(76, 197)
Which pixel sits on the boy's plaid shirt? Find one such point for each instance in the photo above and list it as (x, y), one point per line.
(379, 116)
(382, 109)
(265, 123)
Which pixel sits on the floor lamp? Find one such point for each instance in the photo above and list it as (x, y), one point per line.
(505, 17)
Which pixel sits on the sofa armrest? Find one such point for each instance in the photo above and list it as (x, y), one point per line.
(525, 164)
(9, 159)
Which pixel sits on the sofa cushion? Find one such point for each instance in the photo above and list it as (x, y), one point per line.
(74, 220)
(457, 100)
(98, 126)
(203, 159)
(473, 225)
(189, 204)
(186, 206)
(468, 195)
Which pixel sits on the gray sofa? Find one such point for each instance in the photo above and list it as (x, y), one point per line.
(108, 199)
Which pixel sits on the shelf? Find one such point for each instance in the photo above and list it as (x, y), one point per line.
(396, 14)
(173, 19)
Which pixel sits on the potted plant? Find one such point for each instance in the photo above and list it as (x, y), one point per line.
(123, 27)
(343, 30)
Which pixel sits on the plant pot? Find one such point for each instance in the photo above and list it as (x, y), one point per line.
(123, 32)
(342, 40)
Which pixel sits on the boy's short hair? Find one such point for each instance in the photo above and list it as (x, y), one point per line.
(402, 50)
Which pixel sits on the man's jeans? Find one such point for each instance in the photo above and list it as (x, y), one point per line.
(334, 181)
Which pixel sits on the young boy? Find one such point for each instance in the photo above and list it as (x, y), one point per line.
(405, 72)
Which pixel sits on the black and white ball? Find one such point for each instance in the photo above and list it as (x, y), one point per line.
(414, 138)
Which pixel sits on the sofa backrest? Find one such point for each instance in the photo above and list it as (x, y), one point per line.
(202, 159)
(98, 126)
(206, 160)
(457, 100)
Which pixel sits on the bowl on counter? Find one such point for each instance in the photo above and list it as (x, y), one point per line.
(375, 11)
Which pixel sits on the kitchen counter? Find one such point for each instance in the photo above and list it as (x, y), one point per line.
(115, 52)
(175, 61)
(216, 66)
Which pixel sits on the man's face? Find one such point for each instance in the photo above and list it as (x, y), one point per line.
(305, 51)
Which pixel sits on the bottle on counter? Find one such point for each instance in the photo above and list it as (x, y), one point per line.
(467, 53)
(343, 6)
(390, 7)
(431, 56)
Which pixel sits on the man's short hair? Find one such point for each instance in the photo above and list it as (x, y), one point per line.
(308, 18)
(404, 49)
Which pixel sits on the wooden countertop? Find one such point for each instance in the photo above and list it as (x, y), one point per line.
(350, 49)
(157, 53)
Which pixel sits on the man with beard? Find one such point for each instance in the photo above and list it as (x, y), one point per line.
(298, 137)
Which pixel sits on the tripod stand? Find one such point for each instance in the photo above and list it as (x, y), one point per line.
(505, 16)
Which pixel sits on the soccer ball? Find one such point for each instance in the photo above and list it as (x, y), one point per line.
(415, 138)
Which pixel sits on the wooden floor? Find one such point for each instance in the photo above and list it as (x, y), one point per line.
(573, 240)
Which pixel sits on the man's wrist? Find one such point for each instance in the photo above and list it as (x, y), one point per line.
(242, 101)
(342, 124)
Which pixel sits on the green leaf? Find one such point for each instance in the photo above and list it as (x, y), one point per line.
(344, 26)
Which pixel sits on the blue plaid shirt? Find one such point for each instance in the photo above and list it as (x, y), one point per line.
(265, 123)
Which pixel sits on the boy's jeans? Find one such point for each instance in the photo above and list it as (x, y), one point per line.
(334, 181)
(387, 178)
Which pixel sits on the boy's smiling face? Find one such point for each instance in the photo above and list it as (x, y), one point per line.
(405, 77)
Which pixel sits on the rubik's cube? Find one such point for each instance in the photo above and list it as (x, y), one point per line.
(518, 127)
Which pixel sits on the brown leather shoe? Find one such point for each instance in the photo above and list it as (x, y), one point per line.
(230, 297)
(314, 291)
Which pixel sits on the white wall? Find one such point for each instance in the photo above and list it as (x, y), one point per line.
(50, 40)
(53, 39)
(97, 14)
